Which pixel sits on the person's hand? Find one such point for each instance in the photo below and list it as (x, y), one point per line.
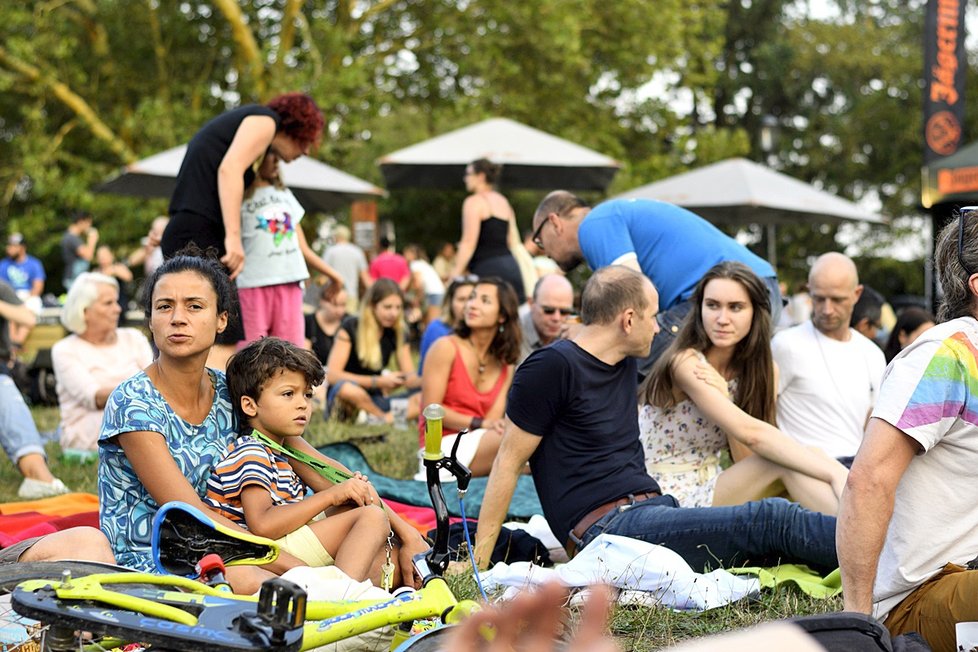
(153, 239)
(405, 560)
(387, 382)
(532, 622)
(92, 234)
(355, 490)
(497, 426)
(707, 373)
(234, 258)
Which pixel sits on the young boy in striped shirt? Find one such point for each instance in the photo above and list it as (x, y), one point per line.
(255, 485)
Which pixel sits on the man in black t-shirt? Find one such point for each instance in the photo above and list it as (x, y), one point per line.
(574, 415)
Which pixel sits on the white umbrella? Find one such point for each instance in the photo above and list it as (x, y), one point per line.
(531, 159)
(317, 186)
(738, 191)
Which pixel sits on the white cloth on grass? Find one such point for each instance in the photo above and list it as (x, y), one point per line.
(631, 565)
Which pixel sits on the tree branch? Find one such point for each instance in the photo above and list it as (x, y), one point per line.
(72, 100)
(244, 39)
(287, 36)
(163, 76)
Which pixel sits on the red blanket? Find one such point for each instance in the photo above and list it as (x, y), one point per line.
(23, 520)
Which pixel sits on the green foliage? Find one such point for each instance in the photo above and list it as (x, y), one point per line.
(88, 86)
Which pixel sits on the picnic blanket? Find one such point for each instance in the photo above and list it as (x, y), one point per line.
(807, 580)
(525, 502)
(26, 519)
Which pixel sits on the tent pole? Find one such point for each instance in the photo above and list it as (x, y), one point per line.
(772, 245)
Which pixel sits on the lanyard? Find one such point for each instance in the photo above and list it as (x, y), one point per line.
(324, 469)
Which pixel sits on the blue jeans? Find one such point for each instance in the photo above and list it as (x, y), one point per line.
(18, 434)
(760, 533)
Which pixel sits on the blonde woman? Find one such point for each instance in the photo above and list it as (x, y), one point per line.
(363, 348)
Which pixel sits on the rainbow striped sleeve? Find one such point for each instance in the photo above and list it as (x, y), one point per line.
(949, 379)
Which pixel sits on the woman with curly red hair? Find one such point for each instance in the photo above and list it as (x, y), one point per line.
(205, 207)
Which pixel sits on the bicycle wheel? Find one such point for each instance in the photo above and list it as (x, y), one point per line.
(17, 630)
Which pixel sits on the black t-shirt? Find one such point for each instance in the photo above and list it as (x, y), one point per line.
(196, 189)
(586, 413)
(322, 342)
(388, 342)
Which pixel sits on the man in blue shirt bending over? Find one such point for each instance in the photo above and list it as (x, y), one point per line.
(670, 245)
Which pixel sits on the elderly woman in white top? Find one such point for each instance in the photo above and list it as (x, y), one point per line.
(97, 356)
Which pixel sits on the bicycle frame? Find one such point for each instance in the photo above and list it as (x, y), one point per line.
(173, 609)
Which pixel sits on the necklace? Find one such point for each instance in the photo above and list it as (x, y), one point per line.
(481, 361)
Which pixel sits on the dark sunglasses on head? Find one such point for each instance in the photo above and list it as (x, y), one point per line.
(564, 312)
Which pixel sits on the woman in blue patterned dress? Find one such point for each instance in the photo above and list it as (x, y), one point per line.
(166, 426)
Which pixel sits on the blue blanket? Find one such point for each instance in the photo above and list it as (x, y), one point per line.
(525, 502)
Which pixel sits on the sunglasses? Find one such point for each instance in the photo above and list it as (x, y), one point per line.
(564, 312)
(965, 212)
(535, 238)
(467, 278)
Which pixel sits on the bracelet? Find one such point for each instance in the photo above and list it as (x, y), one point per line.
(373, 382)
(476, 423)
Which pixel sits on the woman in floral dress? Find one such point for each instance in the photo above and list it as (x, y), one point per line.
(712, 393)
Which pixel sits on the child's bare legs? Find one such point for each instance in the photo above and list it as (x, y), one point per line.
(356, 540)
(752, 478)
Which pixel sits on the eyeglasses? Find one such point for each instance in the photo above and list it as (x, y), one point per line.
(465, 278)
(965, 212)
(564, 312)
(536, 234)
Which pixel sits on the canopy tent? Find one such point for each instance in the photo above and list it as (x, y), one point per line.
(738, 191)
(952, 179)
(531, 159)
(317, 186)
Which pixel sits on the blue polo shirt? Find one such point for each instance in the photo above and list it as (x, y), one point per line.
(675, 247)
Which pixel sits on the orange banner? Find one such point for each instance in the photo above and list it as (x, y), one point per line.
(952, 182)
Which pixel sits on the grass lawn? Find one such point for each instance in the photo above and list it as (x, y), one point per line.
(642, 629)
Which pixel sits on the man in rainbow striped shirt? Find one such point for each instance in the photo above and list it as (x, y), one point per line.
(908, 524)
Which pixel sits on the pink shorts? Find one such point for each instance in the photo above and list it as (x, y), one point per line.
(274, 310)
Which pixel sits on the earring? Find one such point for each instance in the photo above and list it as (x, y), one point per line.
(500, 328)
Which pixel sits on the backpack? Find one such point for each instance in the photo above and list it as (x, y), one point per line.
(848, 631)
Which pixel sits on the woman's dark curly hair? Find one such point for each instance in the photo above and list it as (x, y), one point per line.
(301, 118)
(205, 263)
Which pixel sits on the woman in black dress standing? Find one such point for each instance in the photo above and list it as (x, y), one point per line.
(488, 222)
(205, 208)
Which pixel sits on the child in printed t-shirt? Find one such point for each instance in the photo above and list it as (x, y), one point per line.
(276, 259)
(270, 382)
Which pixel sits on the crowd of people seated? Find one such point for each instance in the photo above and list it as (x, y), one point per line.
(655, 402)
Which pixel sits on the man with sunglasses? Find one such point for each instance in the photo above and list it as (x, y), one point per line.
(670, 245)
(544, 316)
(908, 522)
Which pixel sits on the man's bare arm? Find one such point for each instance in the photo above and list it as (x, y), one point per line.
(18, 314)
(866, 509)
(514, 452)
